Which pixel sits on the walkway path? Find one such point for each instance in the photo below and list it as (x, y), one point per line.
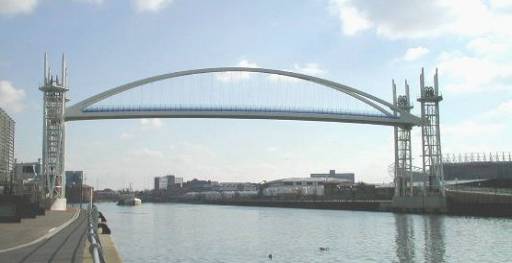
(15, 234)
(65, 246)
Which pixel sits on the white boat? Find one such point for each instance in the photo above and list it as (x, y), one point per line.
(129, 201)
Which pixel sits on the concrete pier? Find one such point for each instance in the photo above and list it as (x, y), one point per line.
(420, 204)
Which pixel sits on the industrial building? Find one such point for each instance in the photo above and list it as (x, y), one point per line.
(79, 193)
(478, 166)
(168, 182)
(314, 186)
(74, 178)
(106, 194)
(7, 126)
(333, 174)
(235, 187)
(27, 171)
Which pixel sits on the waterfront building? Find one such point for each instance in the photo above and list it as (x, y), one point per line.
(200, 185)
(236, 186)
(478, 166)
(333, 174)
(313, 186)
(168, 182)
(74, 178)
(106, 194)
(7, 126)
(28, 171)
(76, 193)
(27, 179)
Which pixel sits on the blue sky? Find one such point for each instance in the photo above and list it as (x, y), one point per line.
(359, 43)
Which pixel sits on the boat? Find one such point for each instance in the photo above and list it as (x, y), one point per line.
(129, 201)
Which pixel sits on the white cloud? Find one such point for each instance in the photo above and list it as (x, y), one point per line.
(151, 123)
(482, 65)
(14, 7)
(475, 135)
(504, 110)
(490, 46)
(11, 99)
(237, 76)
(501, 4)
(247, 64)
(312, 69)
(96, 2)
(472, 73)
(309, 69)
(415, 53)
(419, 18)
(353, 21)
(272, 149)
(126, 136)
(150, 5)
(472, 129)
(148, 153)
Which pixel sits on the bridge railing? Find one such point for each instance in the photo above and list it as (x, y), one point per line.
(248, 108)
(95, 248)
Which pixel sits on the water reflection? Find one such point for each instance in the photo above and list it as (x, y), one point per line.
(406, 241)
(404, 238)
(434, 238)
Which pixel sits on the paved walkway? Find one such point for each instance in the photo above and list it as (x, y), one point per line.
(14, 234)
(65, 246)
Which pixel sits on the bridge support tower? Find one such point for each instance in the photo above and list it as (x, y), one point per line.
(403, 151)
(54, 104)
(431, 137)
(432, 197)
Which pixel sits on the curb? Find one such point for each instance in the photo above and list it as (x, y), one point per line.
(53, 231)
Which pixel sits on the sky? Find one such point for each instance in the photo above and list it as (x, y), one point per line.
(364, 44)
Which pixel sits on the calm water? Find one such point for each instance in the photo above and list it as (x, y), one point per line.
(207, 233)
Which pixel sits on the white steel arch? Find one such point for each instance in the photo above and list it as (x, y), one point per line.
(393, 116)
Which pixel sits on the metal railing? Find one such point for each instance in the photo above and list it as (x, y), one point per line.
(92, 235)
(477, 157)
(485, 190)
(230, 108)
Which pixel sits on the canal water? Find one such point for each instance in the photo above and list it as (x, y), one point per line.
(209, 233)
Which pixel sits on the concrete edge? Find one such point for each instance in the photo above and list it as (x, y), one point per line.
(51, 233)
(110, 251)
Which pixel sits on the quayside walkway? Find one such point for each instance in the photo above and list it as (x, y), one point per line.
(67, 245)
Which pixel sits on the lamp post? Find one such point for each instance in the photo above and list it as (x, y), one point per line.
(81, 189)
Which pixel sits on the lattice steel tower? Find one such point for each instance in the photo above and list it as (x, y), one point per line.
(54, 95)
(403, 151)
(431, 136)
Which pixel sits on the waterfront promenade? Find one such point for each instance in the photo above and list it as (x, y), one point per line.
(56, 237)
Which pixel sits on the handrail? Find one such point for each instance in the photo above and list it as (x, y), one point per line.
(131, 108)
(92, 235)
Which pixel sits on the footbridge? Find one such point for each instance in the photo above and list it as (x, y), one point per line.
(384, 112)
(234, 93)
